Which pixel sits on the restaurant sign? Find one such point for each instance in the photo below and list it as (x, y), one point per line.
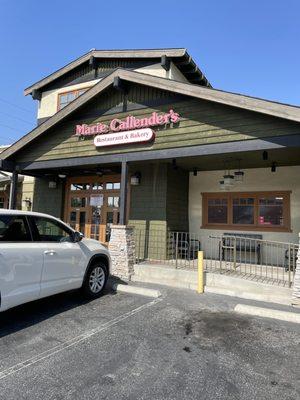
(128, 130)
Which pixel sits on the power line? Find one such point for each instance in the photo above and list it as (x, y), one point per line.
(15, 105)
(13, 116)
(12, 129)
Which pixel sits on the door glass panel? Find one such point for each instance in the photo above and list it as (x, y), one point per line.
(109, 222)
(1, 202)
(95, 221)
(96, 200)
(73, 219)
(78, 202)
(113, 201)
(82, 221)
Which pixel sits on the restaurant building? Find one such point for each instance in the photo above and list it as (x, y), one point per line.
(141, 138)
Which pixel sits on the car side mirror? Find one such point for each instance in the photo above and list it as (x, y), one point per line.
(77, 236)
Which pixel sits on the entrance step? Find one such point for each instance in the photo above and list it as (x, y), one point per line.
(214, 283)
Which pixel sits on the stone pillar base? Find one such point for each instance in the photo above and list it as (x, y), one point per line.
(121, 247)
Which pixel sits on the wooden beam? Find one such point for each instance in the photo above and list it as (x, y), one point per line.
(279, 142)
(165, 62)
(123, 192)
(139, 53)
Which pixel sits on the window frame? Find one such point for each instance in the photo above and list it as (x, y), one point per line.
(74, 91)
(247, 227)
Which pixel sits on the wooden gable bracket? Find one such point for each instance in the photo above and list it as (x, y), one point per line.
(93, 64)
(165, 62)
(120, 85)
(36, 94)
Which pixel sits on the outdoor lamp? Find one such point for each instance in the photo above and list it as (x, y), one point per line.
(135, 179)
(239, 176)
(27, 203)
(222, 185)
(52, 185)
(228, 179)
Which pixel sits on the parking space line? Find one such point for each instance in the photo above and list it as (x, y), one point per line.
(74, 341)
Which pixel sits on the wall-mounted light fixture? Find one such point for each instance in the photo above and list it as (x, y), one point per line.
(273, 166)
(62, 176)
(52, 185)
(27, 203)
(174, 164)
(222, 185)
(135, 179)
(228, 179)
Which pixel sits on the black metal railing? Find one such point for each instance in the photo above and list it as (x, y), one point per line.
(249, 257)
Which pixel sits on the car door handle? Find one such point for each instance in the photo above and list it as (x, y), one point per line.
(49, 252)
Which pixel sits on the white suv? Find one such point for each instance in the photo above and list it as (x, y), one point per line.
(41, 256)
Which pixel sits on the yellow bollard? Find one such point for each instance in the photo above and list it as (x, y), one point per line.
(200, 273)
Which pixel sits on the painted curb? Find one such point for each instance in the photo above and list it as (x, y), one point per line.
(248, 295)
(268, 313)
(136, 290)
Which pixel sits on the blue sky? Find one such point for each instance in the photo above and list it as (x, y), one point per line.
(249, 47)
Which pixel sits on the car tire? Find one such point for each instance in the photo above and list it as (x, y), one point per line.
(95, 280)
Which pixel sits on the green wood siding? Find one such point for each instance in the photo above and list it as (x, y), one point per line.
(203, 122)
(85, 72)
(45, 200)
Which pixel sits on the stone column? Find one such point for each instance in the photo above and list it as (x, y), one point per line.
(296, 288)
(122, 251)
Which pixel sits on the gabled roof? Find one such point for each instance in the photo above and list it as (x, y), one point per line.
(179, 56)
(285, 111)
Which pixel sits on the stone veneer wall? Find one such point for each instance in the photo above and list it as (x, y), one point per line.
(122, 251)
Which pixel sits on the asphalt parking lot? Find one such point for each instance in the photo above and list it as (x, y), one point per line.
(121, 346)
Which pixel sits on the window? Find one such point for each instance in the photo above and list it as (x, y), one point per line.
(2, 202)
(243, 210)
(113, 186)
(14, 229)
(78, 202)
(65, 98)
(271, 210)
(217, 210)
(97, 186)
(80, 186)
(113, 201)
(51, 230)
(247, 211)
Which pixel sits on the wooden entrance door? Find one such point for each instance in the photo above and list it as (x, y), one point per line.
(92, 205)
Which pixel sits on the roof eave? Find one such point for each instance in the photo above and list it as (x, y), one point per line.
(288, 112)
(154, 53)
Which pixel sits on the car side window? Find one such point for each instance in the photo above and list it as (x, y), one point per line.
(14, 228)
(51, 230)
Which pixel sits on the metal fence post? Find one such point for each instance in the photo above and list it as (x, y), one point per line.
(176, 250)
(200, 288)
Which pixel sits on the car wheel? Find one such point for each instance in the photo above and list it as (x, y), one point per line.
(95, 280)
